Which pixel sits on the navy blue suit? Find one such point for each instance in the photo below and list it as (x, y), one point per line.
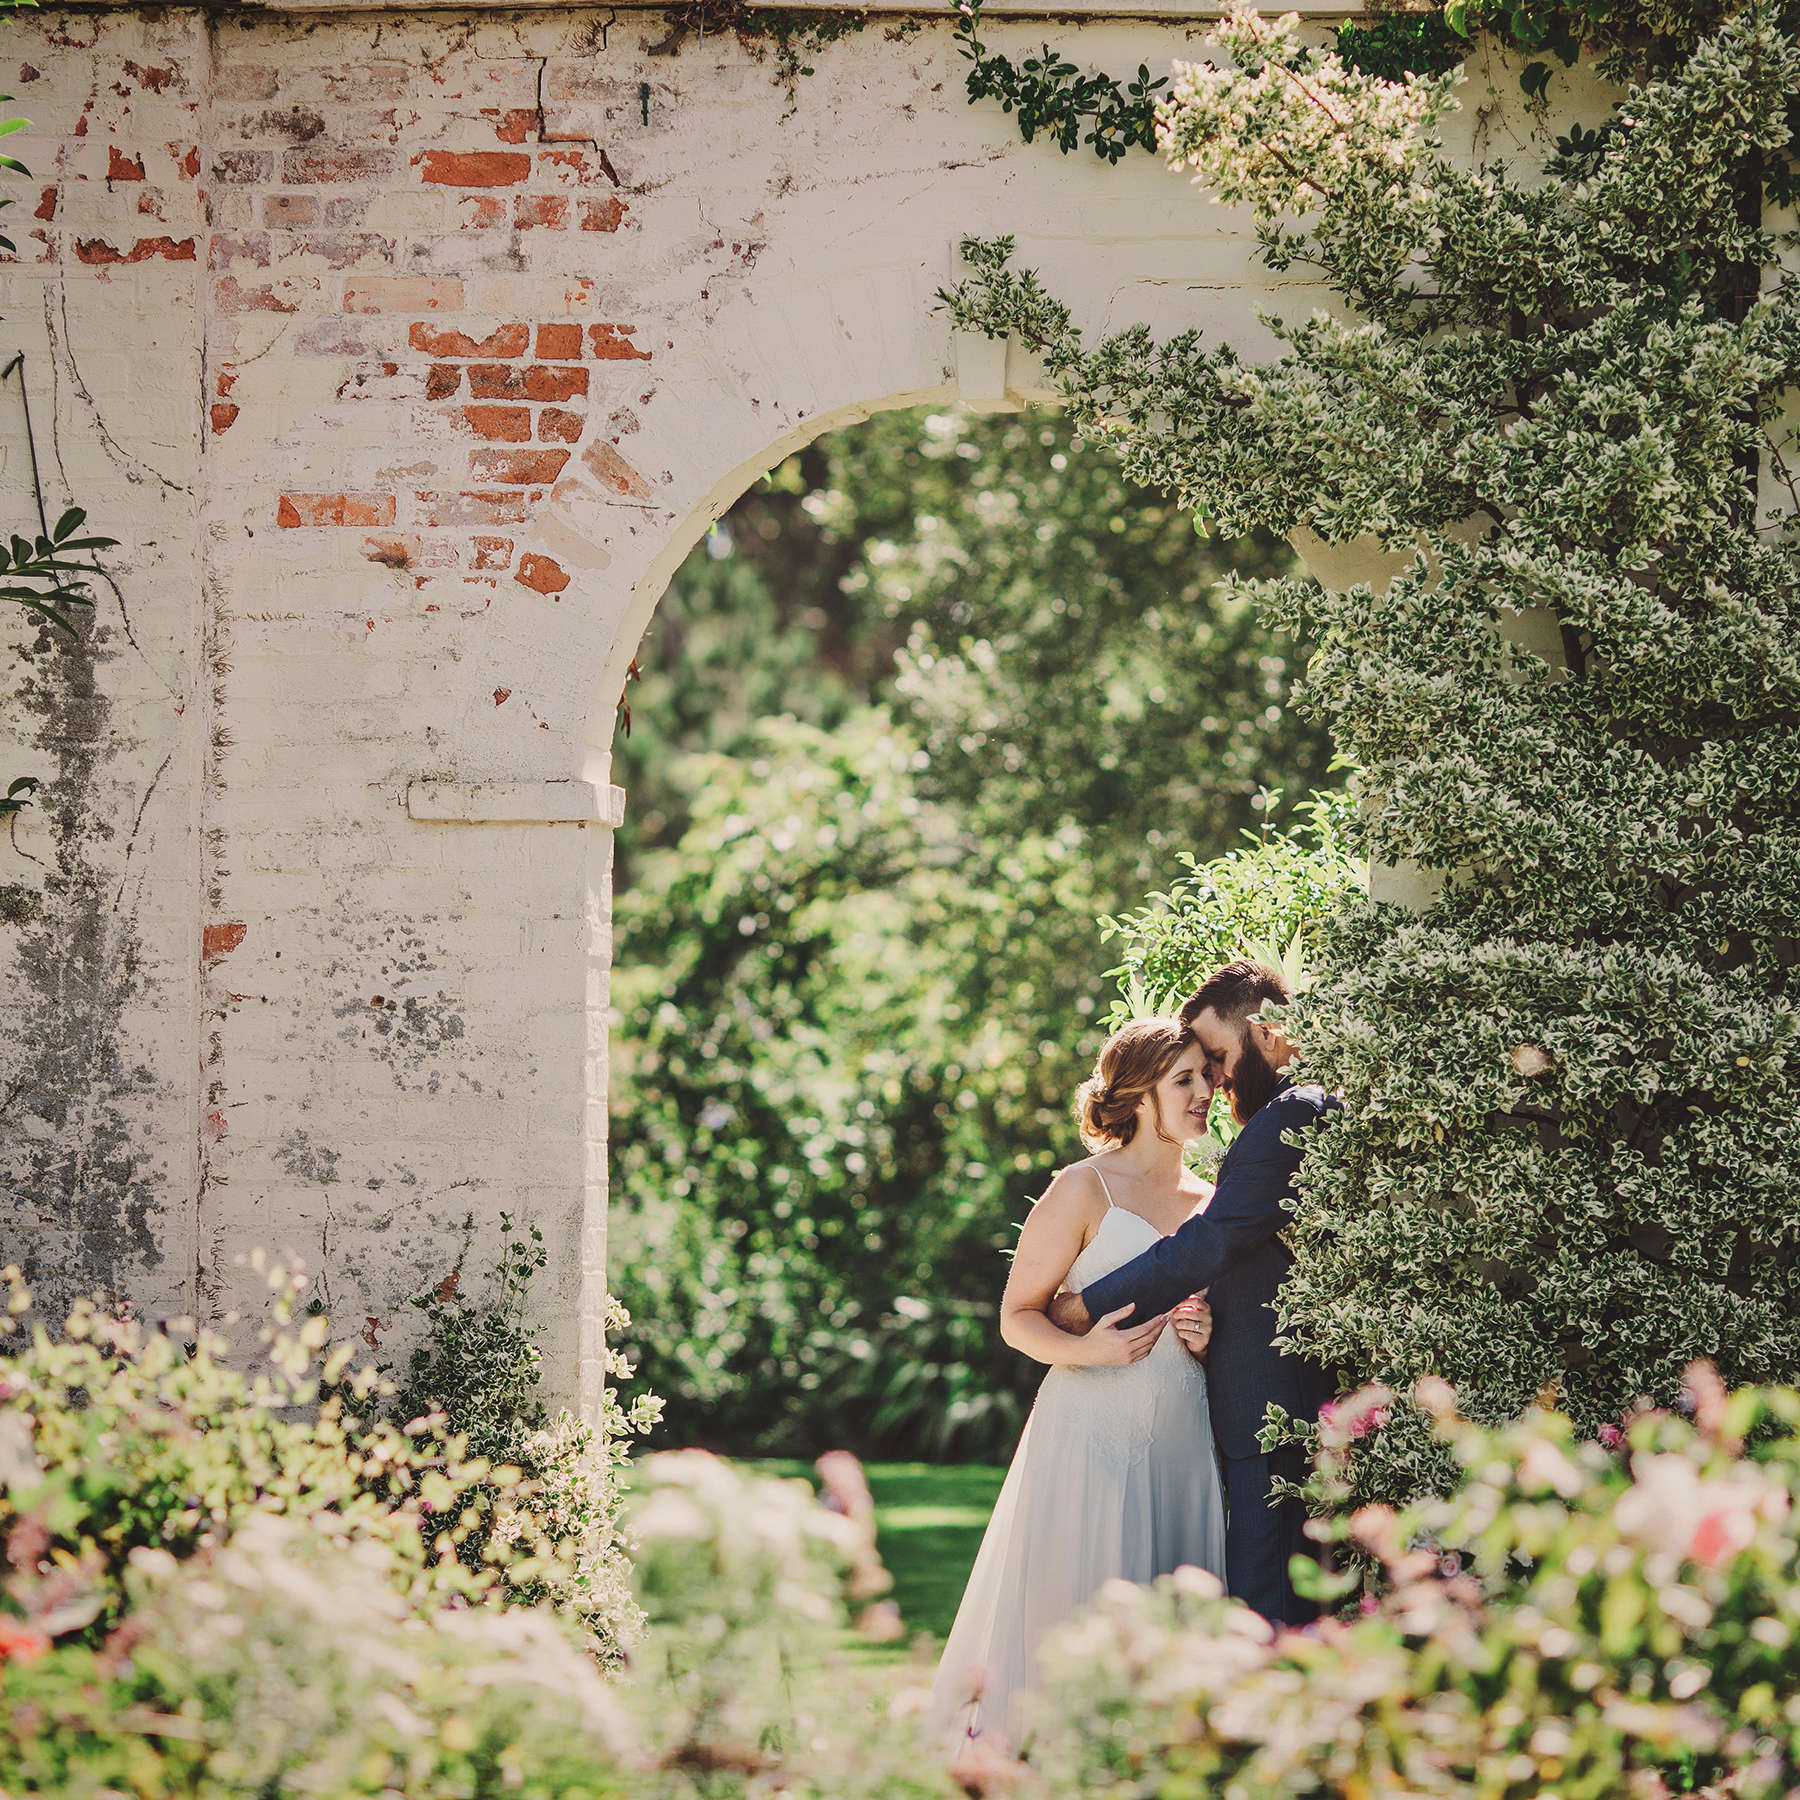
(1233, 1249)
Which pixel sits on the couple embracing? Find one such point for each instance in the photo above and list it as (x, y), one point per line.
(1151, 1296)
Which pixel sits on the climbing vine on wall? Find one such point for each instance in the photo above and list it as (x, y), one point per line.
(1561, 394)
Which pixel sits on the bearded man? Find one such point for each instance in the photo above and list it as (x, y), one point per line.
(1233, 1251)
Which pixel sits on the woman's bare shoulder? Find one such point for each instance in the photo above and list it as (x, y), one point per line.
(1074, 1192)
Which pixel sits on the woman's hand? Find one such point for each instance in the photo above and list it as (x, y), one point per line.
(1193, 1323)
(1111, 1345)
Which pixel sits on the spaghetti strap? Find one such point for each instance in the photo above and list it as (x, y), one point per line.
(1111, 1203)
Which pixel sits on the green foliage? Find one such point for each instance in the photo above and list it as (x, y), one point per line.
(478, 1361)
(1268, 900)
(1575, 1619)
(1567, 1158)
(284, 1660)
(857, 982)
(120, 1437)
(556, 1532)
(1394, 45)
(46, 577)
(282, 1663)
(1050, 94)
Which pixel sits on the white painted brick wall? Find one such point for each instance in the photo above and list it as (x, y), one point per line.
(406, 399)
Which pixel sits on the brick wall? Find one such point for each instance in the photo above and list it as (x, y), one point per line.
(407, 354)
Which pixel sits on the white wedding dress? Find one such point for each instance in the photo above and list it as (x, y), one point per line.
(1115, 1477)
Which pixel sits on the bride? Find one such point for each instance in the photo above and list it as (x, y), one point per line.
(1115, 1475)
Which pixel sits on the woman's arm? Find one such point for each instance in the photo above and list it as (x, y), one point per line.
(1055, 1233)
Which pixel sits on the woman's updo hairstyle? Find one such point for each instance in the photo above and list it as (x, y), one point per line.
(1131, 1062)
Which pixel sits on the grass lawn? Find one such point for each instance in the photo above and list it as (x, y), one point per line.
(928, 1520)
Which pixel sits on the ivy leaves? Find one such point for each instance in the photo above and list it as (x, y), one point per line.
(1051, 95)
(47, 562)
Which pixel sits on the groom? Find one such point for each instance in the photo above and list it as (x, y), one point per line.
(1234, 1249)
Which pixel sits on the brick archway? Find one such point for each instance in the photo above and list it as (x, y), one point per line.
(407, 351)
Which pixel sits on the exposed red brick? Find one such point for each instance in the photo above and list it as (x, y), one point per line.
(335, 509)
(551, 211)
(442, 380)
(339, 162)
(473, 168)
(120, 167)
(46, 206)
(517, 468)
(481, 212)
(517, 124)
(27, 73)
(611, 470)
(575, 168)
(494, 381)
(403, 293)
(227, 380)
(561, 341)
(291, 209)
(551, 381)
(214, 1127)
(492, 552)
(540, 574)
(503, 424)
(152, 81)
(95, 250)
(150, 204)
(224, 415)
(190, 162)
(229, 296)
(555, 426)
(606, 214)
(472, 509)
(502, 695)
(218, 941)
(612, 343)
(439, 340)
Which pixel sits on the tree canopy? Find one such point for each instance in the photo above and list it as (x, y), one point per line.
(940, 692)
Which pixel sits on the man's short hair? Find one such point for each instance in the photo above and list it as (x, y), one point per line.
(1234, 992)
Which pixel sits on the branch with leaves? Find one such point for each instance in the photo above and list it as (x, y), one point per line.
(47, 577)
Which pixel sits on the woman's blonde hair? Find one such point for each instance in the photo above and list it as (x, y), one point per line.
(1131, 1062)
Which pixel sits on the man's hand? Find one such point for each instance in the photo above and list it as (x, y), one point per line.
(1066, 1313)
(1193, 1323)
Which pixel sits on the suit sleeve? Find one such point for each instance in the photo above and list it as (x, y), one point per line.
(1245, 1212)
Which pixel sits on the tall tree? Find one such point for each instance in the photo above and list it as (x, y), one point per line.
(937, 694)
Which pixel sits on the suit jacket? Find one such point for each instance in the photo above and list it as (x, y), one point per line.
(1233, 1249)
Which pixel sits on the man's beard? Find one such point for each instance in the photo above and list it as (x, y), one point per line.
(1253, 1081)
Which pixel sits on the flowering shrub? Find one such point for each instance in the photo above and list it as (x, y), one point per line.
(569, 1510)
(1578, 1619)
(1557, 395)
(287, 1661)
(118, 1436)
(554, 1533)
(743, 1683)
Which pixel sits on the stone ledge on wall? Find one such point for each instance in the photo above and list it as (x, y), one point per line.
(1014, 9)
